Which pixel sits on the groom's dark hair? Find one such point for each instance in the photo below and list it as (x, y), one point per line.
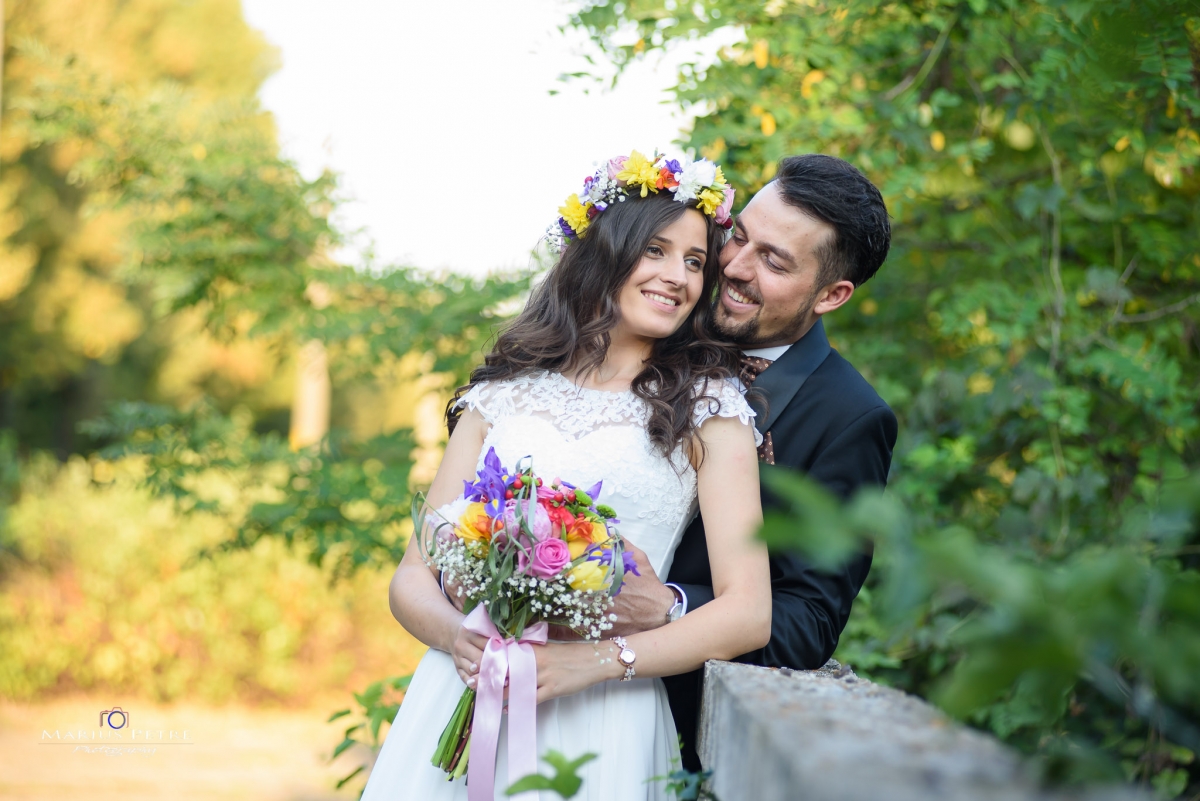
(834, 192)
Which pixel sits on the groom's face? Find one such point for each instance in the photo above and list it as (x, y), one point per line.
(769, 273)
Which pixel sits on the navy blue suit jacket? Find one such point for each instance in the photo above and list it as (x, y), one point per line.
(828, 422)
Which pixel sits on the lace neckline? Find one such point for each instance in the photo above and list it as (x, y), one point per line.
(569, 384)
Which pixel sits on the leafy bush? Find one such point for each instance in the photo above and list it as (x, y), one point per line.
(107, 593)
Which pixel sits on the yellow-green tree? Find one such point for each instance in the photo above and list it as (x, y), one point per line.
(73, 329)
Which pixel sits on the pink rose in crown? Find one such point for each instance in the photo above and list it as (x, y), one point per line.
(615, 166)
(549, 558)
(721, 215)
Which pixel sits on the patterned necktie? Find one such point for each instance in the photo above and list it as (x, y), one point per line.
(751, 367)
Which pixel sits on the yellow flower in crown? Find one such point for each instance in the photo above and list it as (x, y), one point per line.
(709, 200)
(711, 197)
(575, 213)
(620, 177)
(640, 171)
(587, 577)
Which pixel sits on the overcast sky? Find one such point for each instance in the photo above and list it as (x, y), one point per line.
(439, 118)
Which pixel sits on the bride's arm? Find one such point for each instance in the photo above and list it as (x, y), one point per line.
(736, 622)
(415, 597)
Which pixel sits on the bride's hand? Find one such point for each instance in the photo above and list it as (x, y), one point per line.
(467, 654)
(568, 668)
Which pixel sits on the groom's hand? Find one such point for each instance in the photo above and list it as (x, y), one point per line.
(644, 601)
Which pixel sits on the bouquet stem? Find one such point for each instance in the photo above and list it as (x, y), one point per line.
(454, 744)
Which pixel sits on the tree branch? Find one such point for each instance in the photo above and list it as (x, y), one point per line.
(1146, 317)
(916, 79)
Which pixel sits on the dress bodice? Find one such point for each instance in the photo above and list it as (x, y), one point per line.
(585, 435)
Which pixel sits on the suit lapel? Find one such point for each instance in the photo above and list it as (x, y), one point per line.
(782, 380)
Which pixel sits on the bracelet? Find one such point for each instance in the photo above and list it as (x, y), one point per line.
(626, 657)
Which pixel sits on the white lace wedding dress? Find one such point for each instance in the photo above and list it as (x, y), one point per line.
(582, 436)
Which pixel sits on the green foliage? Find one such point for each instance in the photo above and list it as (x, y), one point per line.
(10, 481)
(565, 781)
(1033, 645)
(1035, 328)
(220, 217)
(346, 503)
(226, 226)
(686, 785)
(105, 594)
(378, 704)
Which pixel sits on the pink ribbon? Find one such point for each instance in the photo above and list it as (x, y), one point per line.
(512, 659)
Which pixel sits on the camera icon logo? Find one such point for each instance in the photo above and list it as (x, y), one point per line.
(115, 718)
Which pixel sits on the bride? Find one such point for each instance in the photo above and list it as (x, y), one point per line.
(610, 373)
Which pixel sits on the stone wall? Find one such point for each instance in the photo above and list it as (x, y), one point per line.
(827, 735)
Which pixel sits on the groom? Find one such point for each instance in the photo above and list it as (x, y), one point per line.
(799, 249)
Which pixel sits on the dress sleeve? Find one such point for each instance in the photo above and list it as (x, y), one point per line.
(487, 398)
(724, 399)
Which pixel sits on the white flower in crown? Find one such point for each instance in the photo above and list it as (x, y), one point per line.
(595, 188)
(693, 177)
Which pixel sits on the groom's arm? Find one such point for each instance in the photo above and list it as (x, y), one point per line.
(810, 607)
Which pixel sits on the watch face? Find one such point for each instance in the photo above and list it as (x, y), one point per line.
(626, 657)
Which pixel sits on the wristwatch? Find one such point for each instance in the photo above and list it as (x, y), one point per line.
(626, 657)
(680, 608)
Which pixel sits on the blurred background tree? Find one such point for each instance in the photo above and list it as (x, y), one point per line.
(1035, 326)
(74, 331)
(163, 270)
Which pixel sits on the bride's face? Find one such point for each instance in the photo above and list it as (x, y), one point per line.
(667, 282)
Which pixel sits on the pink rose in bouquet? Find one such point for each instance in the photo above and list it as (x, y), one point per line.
(550, 556)
(524, 553)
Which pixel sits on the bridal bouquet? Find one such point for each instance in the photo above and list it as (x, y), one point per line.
(524, 553)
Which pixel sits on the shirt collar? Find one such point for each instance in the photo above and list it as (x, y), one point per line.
(770, 354)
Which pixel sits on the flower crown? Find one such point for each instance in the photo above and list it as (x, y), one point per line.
(701, 181)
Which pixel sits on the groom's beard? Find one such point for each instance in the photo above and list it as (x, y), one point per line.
(748, 334)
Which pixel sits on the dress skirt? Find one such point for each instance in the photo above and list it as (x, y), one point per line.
(627, 723)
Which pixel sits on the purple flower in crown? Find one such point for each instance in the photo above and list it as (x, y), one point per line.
(490, 487)
(567, 230)
(673, 166)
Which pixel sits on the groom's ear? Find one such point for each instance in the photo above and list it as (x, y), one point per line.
(833, 296)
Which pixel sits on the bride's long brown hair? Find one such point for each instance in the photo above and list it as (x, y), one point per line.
(566, 323)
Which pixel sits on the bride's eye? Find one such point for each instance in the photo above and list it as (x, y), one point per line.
(654, 250)
(695, 264)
